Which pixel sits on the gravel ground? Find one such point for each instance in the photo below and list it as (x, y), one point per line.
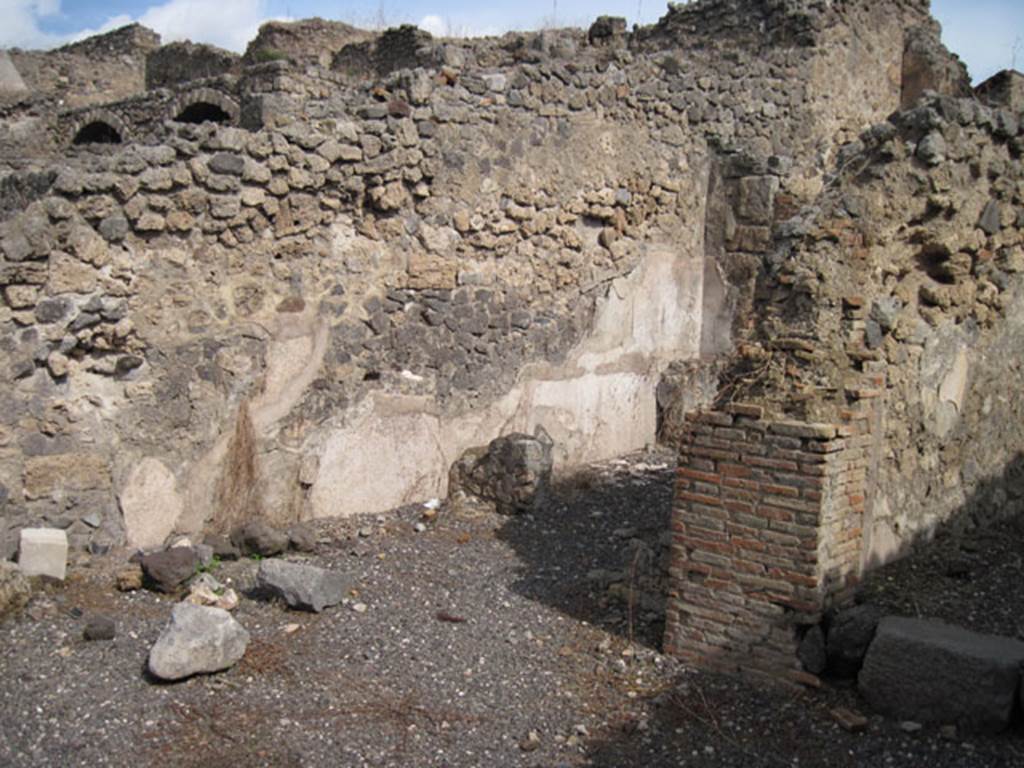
(968, 578)
(476, 632)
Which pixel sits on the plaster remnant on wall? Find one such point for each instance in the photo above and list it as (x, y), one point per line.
(151, 504)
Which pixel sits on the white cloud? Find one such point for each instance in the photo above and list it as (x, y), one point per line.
(110, 24)
(445, 27)
(434, 24)
(21, 23)
(229, 24)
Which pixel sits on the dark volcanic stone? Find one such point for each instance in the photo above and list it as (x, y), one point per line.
(222, 547)
(166, 571)
(302, 537)
(849, 636)
(812, 651)
(259, 538)
(224, 162)
(100, 628)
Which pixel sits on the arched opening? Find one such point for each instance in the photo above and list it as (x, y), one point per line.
(201, 112)
(97, 132)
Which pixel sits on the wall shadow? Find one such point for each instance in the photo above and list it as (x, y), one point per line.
(965, 571)
(598, 550)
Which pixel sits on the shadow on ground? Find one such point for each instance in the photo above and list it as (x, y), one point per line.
(598, 550)
(966, 571)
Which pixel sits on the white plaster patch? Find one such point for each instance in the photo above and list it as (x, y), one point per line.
(151, 504)
(954, 386)
(384, 460)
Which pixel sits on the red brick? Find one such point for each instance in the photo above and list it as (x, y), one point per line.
(709, 501)
(694, 474)
(734, 470)
(757, 461)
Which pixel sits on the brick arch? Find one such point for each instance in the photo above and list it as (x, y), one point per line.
(107, 126)
(213, 101)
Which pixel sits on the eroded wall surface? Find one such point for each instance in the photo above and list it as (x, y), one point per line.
(406, 254)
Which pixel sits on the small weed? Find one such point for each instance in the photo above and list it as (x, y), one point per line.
(264, 55)
(210, 567)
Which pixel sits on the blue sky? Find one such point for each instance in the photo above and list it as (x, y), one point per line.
(988, 34)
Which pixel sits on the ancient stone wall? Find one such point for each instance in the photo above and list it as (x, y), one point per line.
(898, 291)
(185, 62)
(385, 269)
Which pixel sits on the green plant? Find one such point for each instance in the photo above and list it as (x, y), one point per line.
(263, 55)
(210, 567)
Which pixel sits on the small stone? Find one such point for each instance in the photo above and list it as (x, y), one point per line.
(909, 726)
(100, 628)
(360, 607)
(302, 537)
(15, 589)
(228, 600)
(990, 218)
(129, 578)
(419, 527)
(167, 571)
(259, 538)
(223, 549)
(530, 742)
(303, 587)
(812, 652)
(932, 149)
(226, 163)
(849, 720)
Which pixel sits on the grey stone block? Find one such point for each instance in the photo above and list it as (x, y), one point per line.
(932, 672)
(304, 587)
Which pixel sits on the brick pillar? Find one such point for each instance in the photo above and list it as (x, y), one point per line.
(766, 534)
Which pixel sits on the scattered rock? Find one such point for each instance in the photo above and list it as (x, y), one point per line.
(933, 672)
(205, 593)
(166, 571)
(222, 547)
(850, 721)
(129, 578)
(989, 222)
(812, 651)
(530, 742)
(100, 628)
(513, 472)
(259, 538)
(197, 640)
(302, 537)
(849, 636)
(304, 587)
(15, 589)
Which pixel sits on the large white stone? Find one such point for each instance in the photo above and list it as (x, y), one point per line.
(43, 552)
(151, 504)
(10, 79)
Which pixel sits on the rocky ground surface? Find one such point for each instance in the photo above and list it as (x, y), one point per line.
(477, 640)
